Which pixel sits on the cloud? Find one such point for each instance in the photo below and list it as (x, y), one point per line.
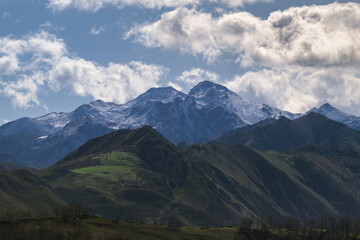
(298, 90)
(95, 5)
(24, 60)
(113, 83)
(175, 85)
(96, 31)
(296, 59)
(239, 3)
(6, 15)
(190, 78)
(40, 62)
(324, 35)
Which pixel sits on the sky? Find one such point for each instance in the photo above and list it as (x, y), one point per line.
(294, 55)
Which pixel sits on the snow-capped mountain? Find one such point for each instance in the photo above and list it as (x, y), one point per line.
(335, 114)
(206, 111)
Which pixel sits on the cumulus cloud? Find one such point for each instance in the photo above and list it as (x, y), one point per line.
(237, 3)
(95, 5)
(298, 90)
(190, 78)
(96, 31)
(41, 61)
(324, 35)
(297, 58)
(113, 83)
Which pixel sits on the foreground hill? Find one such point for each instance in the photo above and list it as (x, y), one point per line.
(136, 173)
(285, 134)
(140, 174)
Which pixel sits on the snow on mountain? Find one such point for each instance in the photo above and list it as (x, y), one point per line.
(55, 120)
(335, 114)
(207, 93)
(206, 111)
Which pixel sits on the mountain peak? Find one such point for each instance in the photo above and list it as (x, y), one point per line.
(157, 153)
(208, 89)
(206, 86)
(333, 113)
(328, 107)
(161, 94)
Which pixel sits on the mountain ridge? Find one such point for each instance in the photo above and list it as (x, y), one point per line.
(208, 110)
(285, 134)
(140, 172)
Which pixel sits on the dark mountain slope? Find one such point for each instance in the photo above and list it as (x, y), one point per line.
(131, 173)
(8, 158)
(285, 134)
(255, 183)
(21, 190)
(140, 173)
(156, 152)
(332, 173)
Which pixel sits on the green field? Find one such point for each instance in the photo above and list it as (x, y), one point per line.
(114, 166)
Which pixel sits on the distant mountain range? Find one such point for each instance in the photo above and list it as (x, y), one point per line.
(335, 114)
(206, 112)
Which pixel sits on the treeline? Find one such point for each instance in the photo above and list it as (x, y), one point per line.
(65, 222)
(332, 227)
(65, 211)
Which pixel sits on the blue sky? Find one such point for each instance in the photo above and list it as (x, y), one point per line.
(58, 54)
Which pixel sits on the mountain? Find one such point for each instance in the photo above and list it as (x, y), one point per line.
(140, 174)
(36, 149)
(208, 110)
(335, 114)
(21, 190)
(128, 173)
(285, 134)
(8, 158)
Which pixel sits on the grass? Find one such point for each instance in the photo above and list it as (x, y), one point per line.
(92, 227)
(114, 173)
(119, 158)
(114, 166)
(98, 228)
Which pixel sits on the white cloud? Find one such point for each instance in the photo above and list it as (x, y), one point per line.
(324, 35)
(298, 90)
(176, 86)
(96, 31)
(95, 5)
(299, 58)
(113, 83)
(190, 78)
(6, 15)
(44, 48)
(40, 61)
(237, 3)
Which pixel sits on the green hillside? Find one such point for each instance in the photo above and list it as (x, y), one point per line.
(138, 174)
(21, 190)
